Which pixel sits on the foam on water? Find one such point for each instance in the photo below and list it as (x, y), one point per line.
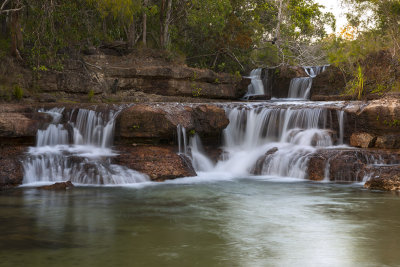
(78, 150)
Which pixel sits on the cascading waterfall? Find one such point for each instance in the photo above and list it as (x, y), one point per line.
(79, 151)
(300, 88)
(256, 87)
(275, 141)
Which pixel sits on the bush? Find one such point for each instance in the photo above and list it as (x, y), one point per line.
(18, 92)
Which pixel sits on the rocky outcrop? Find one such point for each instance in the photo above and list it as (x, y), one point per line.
(347, 165)
(111, 75)
(11, 170)
(20, 122)
(58, 186)
(160, 163)
(386, 178)
(157, 123)
(375, 124)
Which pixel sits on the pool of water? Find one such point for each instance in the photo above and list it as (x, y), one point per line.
(241, 222)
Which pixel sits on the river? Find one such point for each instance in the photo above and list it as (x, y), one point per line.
(204, 221)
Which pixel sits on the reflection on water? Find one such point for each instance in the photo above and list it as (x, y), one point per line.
(226, 223)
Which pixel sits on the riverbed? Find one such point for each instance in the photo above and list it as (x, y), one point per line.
(213, 221)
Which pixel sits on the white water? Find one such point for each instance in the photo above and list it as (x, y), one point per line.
(81, 154)
(300, 88)
(276, 141)
(256, 87)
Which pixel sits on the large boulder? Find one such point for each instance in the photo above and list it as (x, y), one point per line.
(160, 163)
(157, 123)
(363, 140)
(386, 178)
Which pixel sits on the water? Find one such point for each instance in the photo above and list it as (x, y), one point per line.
(241, 222)
(275, 140)
(79, 151)
(256, 87)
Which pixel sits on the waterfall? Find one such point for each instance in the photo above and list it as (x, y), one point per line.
(256, 87)
(273, 141)
(79, 151)
(182, 139)
(300, 88)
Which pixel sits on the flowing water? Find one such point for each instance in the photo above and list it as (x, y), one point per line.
(205, 221)
(78, 150)
(253, 207)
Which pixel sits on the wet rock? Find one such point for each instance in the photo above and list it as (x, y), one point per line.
(363, 140)
(11, 170)
(157, 123)
(160, 163)
(391, 141)
(58, 186)
(316, 168)
(347, 165)
(386, 178)
(258, 168)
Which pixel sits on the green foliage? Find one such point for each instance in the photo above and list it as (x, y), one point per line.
(355, 87)
(90, 95)
(18, 92)
(192, 132)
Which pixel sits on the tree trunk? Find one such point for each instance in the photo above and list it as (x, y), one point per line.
(132, 34)
(162, 15)
(145, 24)
(16, 35)
(165, 17)
(278, 26)
(167, 21)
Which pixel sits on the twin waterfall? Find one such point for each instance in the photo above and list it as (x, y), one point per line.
(78, 150)
(266, 138)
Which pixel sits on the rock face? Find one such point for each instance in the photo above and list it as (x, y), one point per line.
(281, 78)
(109, 74)
(157, 123)
(17, 121)
(375, 124)
(11, 170)
(160, 163)
(329, 85)
(348, 165)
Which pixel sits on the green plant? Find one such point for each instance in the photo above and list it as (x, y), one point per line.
(192, 132)
(18, 92)
(90, 95)
(196, 92)
(135, 127)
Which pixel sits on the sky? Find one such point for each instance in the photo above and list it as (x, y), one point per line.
(334, 6)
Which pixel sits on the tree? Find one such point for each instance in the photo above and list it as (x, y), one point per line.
(12, 9)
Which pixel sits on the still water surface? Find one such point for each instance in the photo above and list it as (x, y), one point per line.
(244, 222)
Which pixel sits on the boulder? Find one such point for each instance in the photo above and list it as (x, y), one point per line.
(160, 163)
(329, 85)
(363, 140)
(386, 178)
(58, 186)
